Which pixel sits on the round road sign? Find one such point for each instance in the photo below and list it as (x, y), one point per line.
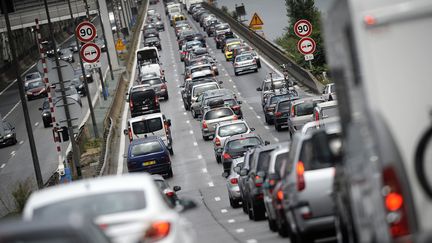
(90, 52)
(303, 28)
(85, 31)
(306, 46)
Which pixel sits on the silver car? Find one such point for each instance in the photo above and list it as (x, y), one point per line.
(245, 62)
(225, 130)
(307, 202)
(200, 88)
(212, 117)
(301, 113)
(155, 82)
(232, 179)
(329, 92)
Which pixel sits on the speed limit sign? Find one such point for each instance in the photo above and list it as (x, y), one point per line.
(303, 28)
(85, 31)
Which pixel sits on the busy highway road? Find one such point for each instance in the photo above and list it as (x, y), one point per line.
(194, 164)
(15, 161)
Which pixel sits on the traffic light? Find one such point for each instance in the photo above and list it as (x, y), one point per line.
(63, 134)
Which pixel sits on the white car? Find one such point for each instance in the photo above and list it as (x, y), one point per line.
(128, 208)
(225, 130)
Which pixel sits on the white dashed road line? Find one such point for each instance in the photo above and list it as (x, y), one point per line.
(241, 230)
(204, 170)
(224, 210)
(217, 199)
(230, 221)
(2, 166)
(211, 184)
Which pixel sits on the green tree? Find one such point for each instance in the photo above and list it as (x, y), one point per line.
(303, 9)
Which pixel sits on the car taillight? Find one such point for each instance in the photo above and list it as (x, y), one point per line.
(217, 142)
(103, 226)
(131, 104)
(235, 117)
(157, 231)
(226, 156)
(130, 134)
(280, 195)
(169, 193)
(236, 107)
(395, 204)
(316, 116)
(278, 114)
(156, 100)
(164, 86)
(292, 111)
(234, 181)
(258, 181)
(300, 176)
(204, 125)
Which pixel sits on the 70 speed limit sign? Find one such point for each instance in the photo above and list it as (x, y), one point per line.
(85, 31)
(303, 28)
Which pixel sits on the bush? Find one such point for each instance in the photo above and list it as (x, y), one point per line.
(21, 194)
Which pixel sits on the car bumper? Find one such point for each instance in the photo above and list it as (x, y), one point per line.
(162, 92)
(36, 96)
(316, 225)
(281, 121)
(245, 68)
(155, 169)
(234, 192)
(144, 112)
(7, 141)
(208, 132)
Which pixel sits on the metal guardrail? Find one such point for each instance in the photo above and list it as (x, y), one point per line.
(268, 49)
(107, 143)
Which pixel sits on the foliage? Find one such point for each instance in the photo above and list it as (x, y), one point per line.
(303, 9)
(93, 143)
(21, 194)
(224, 9)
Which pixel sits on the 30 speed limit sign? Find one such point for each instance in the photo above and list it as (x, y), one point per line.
(303, 28)
(85, 31)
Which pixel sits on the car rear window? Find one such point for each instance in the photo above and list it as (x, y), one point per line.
(219, 113)
(153, 81)
(243, 142)
(305, 108)
(142, 95)
(284, 106)
(230, 102)
(232, 129)
(94, 205)
(280, 160)
(308, 156)
(202, 68)
(264, 161)
(243, 58)
(147, 126)
(161, 184)
(198, 90)
(276, 98)
(146, 148)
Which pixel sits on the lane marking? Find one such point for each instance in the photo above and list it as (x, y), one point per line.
(217, 199)
(224, 210)
(250, 108)
(187, 121)
(251, 241)
(241, 230)
(267, 127)
(13, 108)
(36, 124)
(2, 166)
(234, 86)
(258, 117)
(185, 113)
(21, 142)
(195, 143)
(211, 185)
(276, 139)
(200, 156)
(190, 132)
(230, 221)
(204, 170)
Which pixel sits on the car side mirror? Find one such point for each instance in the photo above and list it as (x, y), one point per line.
(243, 172)
(186, 204)
(237, 169)
(176, 188)
(259, 89)
(252, 129)
(125, 132)
(40, 108)
(266, 142)
(240, 102)
(225, 174)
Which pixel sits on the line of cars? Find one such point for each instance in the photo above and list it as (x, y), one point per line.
(287, 183)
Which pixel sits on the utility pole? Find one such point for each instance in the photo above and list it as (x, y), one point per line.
(20, 82)
(89, 98)
(104, 36)
(75, 156)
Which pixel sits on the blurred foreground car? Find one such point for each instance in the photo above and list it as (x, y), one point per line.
(165, 188)
(129, 208)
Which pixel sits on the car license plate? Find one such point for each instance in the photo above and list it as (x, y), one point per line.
(144, 108)
(149, 163)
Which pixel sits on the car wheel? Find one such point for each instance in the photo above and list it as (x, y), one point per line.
(245, 209)
(218, 159)
(304, 238)
(284, 230)
(234, 203)
(267, 120)
(250, 212)
(236, 73)
(205, 138)
(272, 224)
(257, 213)
(290, 133)
(278, 128)
(256, 70)
(217, 73)
(15, 141)
(170, 173)
(46, 124)
(166, 97)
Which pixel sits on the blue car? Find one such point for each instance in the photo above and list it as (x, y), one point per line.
(149, 155)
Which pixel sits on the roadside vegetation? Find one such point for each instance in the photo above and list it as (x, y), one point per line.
(297, 10)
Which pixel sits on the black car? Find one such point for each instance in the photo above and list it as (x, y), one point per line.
(220, 39)
(159, 25)
(282, 112)
(7, 134)
(153, 41)
(270, 105)
(46, 113)
(151, 32)
(143, 100)
(255, 175)
(235, 147)
(88, 74)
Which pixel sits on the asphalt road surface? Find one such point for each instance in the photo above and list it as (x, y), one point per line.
(16, 161)
(194, 165)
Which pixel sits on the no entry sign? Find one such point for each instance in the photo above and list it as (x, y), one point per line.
(306, 46)
(90, 52)
(85, 31)
(303, 28)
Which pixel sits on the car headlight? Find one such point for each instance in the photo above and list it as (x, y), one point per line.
(8, 135)
(45, 114)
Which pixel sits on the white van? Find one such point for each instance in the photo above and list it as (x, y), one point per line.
(154, 124)
(148, 61)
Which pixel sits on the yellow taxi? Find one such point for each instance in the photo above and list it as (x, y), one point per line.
(229, 49)
(178, 17)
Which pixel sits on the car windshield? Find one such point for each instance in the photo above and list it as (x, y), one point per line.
(151, 39)
(94, 205)
(192, 44)
(243, 58)
(36, 84)
(146, 148)
(276, 98)
(153, 81)
(232, 129)
(219, 113)
(147, 126)
(280, 160)
(32, 76)
(309, 158)
(142, 95)
(243, 143)
(277, 85)
(198, 90)
(200, 68)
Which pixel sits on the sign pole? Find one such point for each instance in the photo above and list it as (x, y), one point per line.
(103, 84)
(87, 90)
